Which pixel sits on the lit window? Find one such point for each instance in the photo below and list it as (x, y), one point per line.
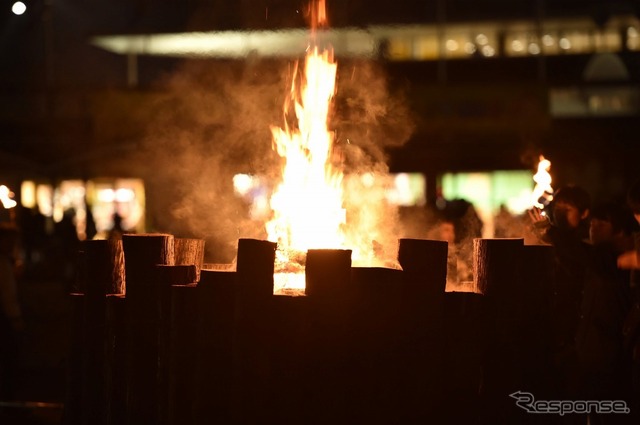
(489, 191)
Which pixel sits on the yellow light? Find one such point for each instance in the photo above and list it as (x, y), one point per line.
(124, 194)
(44, 197)
(470, 48)
(488, 51)
(106, 195)
(564, 43)
(517, 46)
(451, 45)
(28, 194)
(242, 184)
(6, 197)
(534, 49)
(482, 39)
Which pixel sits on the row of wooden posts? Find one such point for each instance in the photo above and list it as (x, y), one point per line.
(183, 344)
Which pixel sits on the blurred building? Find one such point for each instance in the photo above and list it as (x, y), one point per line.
(492, 84)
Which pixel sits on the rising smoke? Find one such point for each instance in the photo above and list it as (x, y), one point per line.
(213, 121)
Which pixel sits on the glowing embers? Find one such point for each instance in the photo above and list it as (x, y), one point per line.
(286, 283)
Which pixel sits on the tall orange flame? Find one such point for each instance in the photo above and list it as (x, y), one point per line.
(308, 204)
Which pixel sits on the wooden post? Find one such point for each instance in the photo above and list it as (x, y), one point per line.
(424, 266)
(287, 362)
(182, 361)
(215, 294)
(142, 253)
(464, 350)
(167, 276)
(424, 275)
(104, 272)
(115, 360)
(189, 252)
(536, 353)
(73, 405)
(496, 265)
(328, 278)
(251, 351)
(376, 304)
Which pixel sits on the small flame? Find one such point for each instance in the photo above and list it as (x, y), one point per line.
(542, 193)
(5, 197)
(318, 13)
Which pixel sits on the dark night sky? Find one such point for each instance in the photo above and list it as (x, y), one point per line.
(23, 38)
(74, 66)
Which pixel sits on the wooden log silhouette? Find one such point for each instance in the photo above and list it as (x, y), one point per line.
(252, 343)
(216, 297)
(167, 276)
(328, 277)
(535, 348)
(424, 272)
(189, 252)
(73, 405)
(288, 373)
(115, 360)
(142, 253)
(464, 346)
(496, 264)
(375, 349)
(104, 275)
